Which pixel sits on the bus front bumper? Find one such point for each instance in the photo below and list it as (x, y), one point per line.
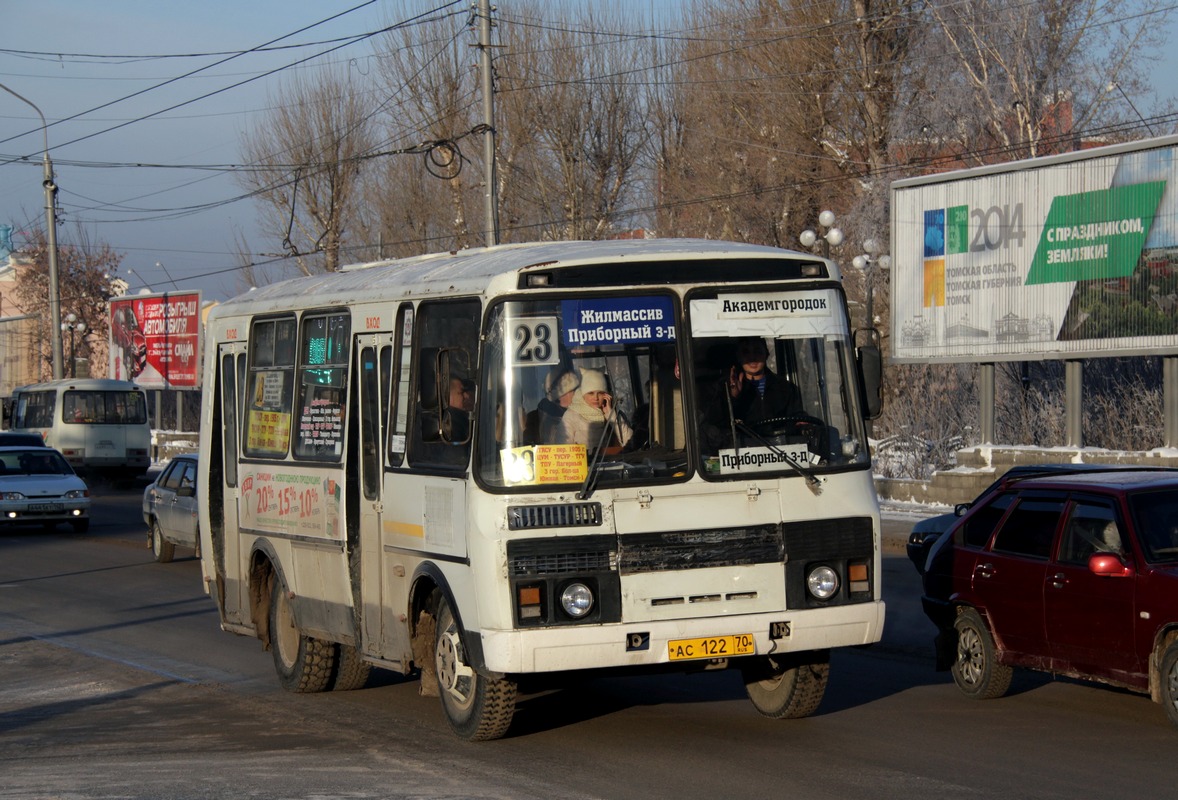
(577, 647)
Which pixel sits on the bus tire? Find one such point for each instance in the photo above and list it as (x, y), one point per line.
(976, 670)
(478, 708)
(303, 664)
(163, 550)
(787, 686)
(351, 671)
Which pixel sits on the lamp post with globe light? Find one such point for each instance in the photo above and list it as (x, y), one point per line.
(868, 263)
(73, 324)
(832, 237)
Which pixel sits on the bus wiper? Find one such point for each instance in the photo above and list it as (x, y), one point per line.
(813, 482)
(598, 455)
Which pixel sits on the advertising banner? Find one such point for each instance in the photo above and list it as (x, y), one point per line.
(155, 340)
(1059, 257)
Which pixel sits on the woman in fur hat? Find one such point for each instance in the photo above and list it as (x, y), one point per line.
(591, 410)
(543, 426)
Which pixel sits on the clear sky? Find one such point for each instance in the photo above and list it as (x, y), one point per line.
(87, 59)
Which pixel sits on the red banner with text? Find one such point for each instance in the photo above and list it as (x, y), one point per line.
(155, 340)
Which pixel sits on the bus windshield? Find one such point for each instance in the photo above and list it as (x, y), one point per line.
(591, 390)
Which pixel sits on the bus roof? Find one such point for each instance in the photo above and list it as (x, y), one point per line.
(478, 269)
(82, 384)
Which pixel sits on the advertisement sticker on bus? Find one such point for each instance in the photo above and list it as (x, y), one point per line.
(291, 503)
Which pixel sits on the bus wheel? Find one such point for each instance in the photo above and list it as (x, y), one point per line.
(303, 664)
(477, 708)
(351, 671)
(163, 550)
(787, 686)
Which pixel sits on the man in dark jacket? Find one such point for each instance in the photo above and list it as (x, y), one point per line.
(757, 394)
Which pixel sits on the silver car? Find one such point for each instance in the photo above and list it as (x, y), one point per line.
(169, 508)
(39, 487)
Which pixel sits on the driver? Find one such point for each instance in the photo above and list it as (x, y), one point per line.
(757, 394)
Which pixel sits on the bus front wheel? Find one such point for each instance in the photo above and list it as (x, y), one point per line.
(478, 708)
(787, 686)
(303, 664)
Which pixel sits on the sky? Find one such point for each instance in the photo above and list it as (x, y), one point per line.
(140, 113)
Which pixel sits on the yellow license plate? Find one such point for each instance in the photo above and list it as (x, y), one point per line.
(741, 644)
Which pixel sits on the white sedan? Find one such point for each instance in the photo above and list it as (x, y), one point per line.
(169, 508)
(39, 487)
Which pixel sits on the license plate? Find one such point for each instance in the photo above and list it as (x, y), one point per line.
(45, 507)
(741, 644)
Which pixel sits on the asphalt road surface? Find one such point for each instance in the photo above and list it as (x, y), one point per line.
(116, 682)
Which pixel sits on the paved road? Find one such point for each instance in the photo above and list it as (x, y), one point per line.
(116, 682)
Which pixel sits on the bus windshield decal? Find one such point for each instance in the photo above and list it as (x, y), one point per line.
(618, 320)
(769, 314)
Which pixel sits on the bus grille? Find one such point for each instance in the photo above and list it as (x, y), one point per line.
(561, 556)
(565, 515)
(724, 547)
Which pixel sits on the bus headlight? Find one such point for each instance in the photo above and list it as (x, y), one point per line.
(576, 600)
(822, 582)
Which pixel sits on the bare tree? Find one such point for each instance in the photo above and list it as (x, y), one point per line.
(572, 92)
(307, 156)
(84, 271)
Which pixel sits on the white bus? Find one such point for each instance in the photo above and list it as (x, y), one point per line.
(378, 491)
(96, 423)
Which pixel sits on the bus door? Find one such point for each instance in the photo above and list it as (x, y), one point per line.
(224, 511)
(428, 450)
(381, 634)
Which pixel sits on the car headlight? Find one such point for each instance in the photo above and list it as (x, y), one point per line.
(822, 582)
(11, 496)
(576, 600)
(76, 494)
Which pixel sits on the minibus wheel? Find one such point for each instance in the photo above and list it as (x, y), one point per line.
(789, 685)
(303, 664)
(478, 708)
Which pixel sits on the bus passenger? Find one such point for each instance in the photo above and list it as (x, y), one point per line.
(544, 422)
(460, 404)
(591, 410)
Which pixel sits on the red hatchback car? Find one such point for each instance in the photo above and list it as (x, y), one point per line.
(1072, 574)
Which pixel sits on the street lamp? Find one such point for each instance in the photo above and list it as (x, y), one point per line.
(71, 324)
(832, 237)
(51, 240)
(868, 263)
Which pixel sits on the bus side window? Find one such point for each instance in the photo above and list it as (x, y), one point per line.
(447, 341)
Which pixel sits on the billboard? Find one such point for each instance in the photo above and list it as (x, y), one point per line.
(1067, 256)
(155, 340)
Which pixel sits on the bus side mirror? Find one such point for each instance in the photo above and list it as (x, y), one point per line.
(870, 361)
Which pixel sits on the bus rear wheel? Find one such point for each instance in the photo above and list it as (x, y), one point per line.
(303, 664)
(478, 708)
(787, 686)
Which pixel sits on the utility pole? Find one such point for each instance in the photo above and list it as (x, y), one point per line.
(491, 191)
(51, 234)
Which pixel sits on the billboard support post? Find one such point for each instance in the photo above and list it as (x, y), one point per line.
(1074, 402)
(1170, 400)
(986, 393)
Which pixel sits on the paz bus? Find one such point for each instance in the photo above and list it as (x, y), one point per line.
(377, 492)
(98, 424)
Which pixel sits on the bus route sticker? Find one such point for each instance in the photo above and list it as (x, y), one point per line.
(544, 463)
